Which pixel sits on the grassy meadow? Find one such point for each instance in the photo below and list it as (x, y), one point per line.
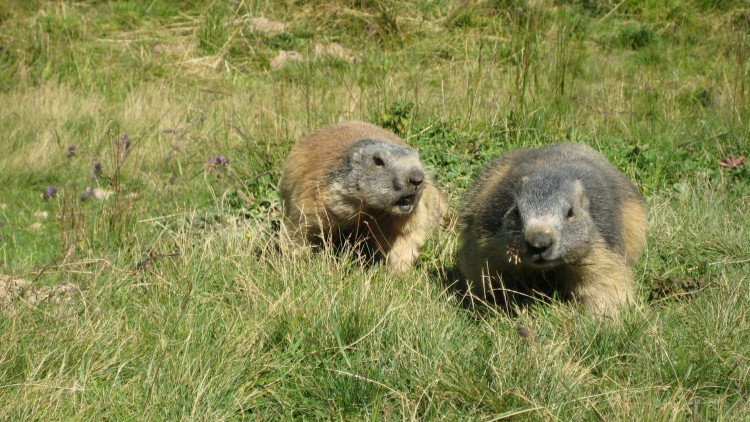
(141, 144)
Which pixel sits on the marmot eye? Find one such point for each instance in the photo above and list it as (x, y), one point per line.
(378, 161)
(571, 214)
(512, 218)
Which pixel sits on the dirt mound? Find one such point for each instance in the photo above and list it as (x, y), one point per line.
(266, 26)
(322, 51)
(16, 291)
(285, 57)
(334, 50)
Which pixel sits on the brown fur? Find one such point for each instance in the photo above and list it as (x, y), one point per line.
(313, 211)
(634, 232)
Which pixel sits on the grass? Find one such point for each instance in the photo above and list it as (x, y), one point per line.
(186, 311)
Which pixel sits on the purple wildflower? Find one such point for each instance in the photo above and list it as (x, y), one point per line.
(49, 192)
(219, 161)
(125, 141)
(220, 166)
(230, 174)
(71, 151)
(96, 169)
(88, 194)
(522, 331)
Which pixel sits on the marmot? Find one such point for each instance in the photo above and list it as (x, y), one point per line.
(559, 217)
(356, 179)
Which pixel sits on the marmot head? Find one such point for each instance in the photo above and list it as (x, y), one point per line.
(382, 176)
(550, 221)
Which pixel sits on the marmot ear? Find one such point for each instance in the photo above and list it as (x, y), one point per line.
(519, 188)
(356, 156)
(580, 193)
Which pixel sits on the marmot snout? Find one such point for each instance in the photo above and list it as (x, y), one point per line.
(551, 213)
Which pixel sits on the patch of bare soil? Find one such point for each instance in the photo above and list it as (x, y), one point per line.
(322, 51)
(285, 57)
(265, 26)
(16, 292)
(332, 50)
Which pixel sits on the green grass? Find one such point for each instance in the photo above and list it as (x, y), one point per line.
(186, 310)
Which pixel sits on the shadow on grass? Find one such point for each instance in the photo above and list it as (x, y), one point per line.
(483, 299)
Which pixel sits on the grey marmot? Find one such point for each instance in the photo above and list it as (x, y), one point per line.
(556, 218)
(357, 179)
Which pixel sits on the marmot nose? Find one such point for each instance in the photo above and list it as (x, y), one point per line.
(538, 242)
(416, 177)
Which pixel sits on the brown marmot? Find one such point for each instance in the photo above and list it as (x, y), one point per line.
(557, 218)
(356, 179)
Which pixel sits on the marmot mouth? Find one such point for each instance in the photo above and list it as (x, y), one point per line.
(405, 203)
(538, 260)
